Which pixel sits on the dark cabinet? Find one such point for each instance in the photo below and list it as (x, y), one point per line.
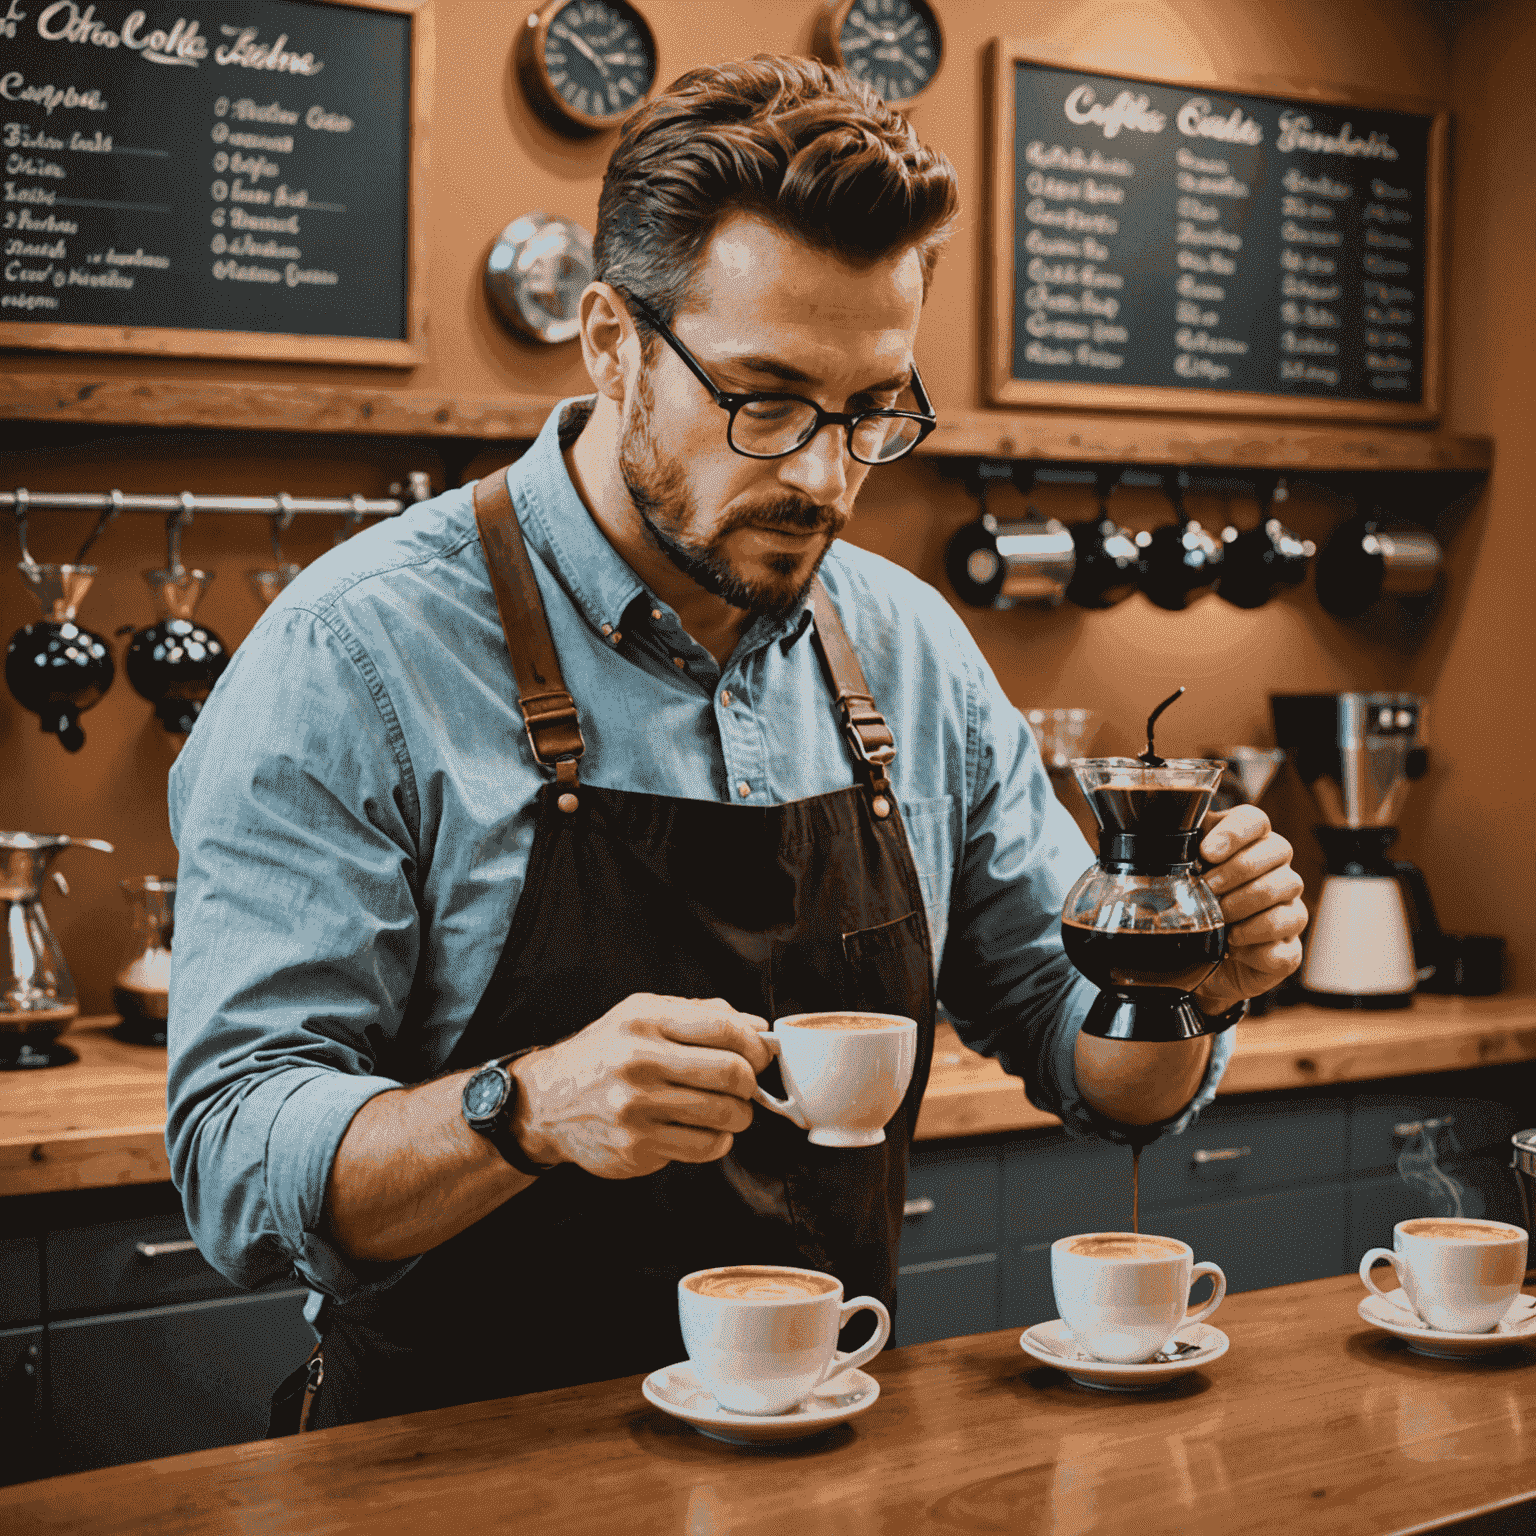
(21, 1403)
(164, 1380)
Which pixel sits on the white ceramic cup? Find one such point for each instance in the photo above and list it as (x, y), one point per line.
(765, 1346)
(842, 1084)
(1460, 1275)
(1124, 1295)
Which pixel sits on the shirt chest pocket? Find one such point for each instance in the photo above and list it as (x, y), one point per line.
(930, 828)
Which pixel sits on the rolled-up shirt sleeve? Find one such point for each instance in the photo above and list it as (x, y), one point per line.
(1006, 982)
(292, 805)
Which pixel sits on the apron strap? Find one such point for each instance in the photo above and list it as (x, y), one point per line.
(874, 747)
(549, 711)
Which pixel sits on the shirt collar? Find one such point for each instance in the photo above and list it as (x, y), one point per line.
(564, 532)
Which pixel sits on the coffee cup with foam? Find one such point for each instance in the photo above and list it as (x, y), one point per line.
(1459, 1275)
(1125, 1294)
(762, 1337)
(844, 1073)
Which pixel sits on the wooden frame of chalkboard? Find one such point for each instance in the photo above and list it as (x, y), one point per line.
(1078, 337)
(406, 262)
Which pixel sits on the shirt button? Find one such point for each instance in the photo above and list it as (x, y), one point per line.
(725, 699)
(743, 789)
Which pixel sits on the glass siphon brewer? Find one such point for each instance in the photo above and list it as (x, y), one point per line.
(141, 988)
(1141, 924)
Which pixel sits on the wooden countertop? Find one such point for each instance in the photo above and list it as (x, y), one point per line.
(101, 1120)
(1313, 1421)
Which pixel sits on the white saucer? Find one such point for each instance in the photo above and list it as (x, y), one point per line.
(678, 1391)
(1518, 1325)
(1052, 1344)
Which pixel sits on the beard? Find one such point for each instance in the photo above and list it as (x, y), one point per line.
(664, 503)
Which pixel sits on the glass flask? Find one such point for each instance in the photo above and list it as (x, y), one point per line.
(141, 989)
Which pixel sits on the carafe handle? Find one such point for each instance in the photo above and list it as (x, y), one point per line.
(1427, 934)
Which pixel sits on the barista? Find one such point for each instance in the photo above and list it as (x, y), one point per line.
(387, 880)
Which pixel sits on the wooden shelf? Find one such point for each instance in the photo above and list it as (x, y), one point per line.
(1041, 435)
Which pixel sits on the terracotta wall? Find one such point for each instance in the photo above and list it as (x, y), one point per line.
(491, 161)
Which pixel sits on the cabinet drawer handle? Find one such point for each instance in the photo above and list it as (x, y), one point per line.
(1218, 1155)
(921, 1206)
(157, 1250)
(1407, 1128)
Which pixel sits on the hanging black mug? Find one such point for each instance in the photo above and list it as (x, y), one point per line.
(1257, 563)
(1363, 561)
(1106, 565)
(1180, 559)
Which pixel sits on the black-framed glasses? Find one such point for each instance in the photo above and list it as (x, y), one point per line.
(770, 425)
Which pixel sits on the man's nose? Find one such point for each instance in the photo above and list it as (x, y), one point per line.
(819, 467)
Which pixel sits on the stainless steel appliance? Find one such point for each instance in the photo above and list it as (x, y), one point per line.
(1357, 753)
(38, 1002)
(1525, 1176)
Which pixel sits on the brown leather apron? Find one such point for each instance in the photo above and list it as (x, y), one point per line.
(778, 909)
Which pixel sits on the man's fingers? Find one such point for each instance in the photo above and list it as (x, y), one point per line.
(715, 1024)
(1265, 853)
(1274, 924)
(1234, 829)
(1274, 889)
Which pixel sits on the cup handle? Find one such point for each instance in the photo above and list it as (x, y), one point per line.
(786, 1106)
(862, 1356)
(1218, 1292)
(1370, 1284)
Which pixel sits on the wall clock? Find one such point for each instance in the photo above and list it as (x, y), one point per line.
(586, 64)
(896, 46)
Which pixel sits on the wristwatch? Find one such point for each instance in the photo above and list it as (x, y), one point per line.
(490, 1099)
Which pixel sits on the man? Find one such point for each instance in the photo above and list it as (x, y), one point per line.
(391, 874)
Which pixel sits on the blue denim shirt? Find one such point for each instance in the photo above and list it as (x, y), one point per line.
(355, 808)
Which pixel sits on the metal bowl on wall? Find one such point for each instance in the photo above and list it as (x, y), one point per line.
(535, 274)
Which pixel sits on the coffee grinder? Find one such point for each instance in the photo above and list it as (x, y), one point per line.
(1357, 753)
(1141, 924)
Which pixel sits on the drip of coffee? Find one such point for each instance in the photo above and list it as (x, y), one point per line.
(1135, 1189)
(1119, 1245)
(1461, 1231)
(748, 1283)
(1177, 960)
(1128, 807)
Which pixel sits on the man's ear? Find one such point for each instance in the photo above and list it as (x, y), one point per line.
(608, 337)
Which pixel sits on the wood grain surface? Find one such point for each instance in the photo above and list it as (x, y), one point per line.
(1066, 436)
(101, 1120)
(1312, 1422)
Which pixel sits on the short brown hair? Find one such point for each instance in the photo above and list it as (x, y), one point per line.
(810, 147)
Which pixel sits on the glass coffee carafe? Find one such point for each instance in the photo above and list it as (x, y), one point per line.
(141, 989)
(1141, 924)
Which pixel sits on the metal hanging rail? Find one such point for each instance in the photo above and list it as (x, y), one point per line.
(181, 508)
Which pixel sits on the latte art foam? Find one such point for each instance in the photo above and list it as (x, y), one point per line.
(746, 1283)
(840, 1021)
(1460, 1231)
(1119, 1246)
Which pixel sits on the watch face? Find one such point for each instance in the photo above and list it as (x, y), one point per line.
(892, 45)
(599, 58)
(484, 1093)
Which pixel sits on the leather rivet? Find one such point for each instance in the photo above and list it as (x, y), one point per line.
(881, 807)
(607, 629)
(567, 803)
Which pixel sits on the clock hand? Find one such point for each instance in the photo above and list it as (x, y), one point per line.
(580, 44)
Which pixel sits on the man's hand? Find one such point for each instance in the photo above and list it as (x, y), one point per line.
(655, 1080)
(1260, 896)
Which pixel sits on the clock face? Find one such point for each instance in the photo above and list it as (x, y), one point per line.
(483, 1094)
(599, 59)
(893, 45)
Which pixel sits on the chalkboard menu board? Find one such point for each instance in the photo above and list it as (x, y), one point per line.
(1177, 247)
(212, 179)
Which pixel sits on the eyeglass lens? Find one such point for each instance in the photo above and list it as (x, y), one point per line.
(768, 428)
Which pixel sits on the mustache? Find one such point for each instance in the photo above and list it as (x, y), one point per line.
(793, 516)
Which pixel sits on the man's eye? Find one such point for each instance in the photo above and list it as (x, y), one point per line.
(768, 410)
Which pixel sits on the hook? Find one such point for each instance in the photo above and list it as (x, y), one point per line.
(354, 520)
(1175, 493)
(19, 505)
(281, 523)
(174, 523)
(110, 514)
